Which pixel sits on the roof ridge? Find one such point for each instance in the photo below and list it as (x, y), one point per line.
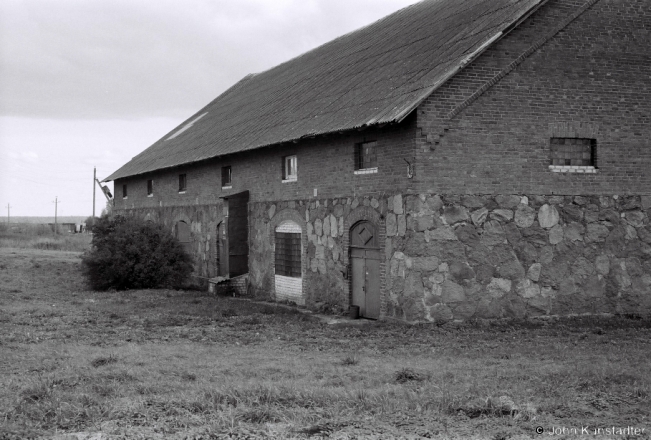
(374, 75)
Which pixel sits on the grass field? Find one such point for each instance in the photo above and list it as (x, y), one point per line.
(37, 236)
(165, 364)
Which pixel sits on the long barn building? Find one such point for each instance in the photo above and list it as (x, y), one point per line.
(457, 159)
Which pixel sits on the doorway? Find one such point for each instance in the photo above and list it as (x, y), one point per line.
(365, 265)
(221, 252)
(233, 236)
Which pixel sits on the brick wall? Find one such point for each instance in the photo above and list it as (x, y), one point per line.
(485, 229)
(592, 80)
(325, 164)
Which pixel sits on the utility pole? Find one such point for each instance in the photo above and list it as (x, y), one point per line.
(94, 180)
(56, 203)
(8, 213)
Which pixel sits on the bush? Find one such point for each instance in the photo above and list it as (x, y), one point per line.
(90, 221)
(128, 253)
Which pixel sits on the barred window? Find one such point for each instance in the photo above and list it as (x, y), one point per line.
(288, 254)
(573, 152)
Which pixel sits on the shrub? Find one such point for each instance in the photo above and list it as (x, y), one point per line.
(90, 222)
(129, 253)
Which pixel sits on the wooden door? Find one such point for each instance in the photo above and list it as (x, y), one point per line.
(365, 266)
(238, 233)
(222, 250)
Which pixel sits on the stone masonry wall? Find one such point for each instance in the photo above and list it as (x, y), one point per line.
(326, 224)
(465, 257)
(203, 221)
(452, 257)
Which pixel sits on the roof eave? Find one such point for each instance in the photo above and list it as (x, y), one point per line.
(391, 114)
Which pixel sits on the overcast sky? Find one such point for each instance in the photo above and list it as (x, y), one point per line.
(93, 83)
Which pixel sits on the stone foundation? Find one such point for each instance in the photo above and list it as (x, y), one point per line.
(464, 257)
(203, 220)
(473, 256)
(452, 257)
(324, 262)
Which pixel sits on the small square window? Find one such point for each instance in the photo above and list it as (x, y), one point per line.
(150, 187)
(227, 177)
(290, 168)
(182, 183)
(124, 191)
(366, 155)
(573, 152)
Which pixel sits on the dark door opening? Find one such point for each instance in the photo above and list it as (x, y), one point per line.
(222, 250)
(237, 227)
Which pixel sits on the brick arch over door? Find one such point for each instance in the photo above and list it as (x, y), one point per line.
(182, 230)
(285, 288)
(151, 216)
(367, 213)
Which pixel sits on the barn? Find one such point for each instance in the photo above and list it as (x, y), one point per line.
(458, 159)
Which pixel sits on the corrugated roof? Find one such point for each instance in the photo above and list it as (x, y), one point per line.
(375, 75)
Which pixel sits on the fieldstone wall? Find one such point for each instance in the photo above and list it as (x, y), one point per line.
(325, 226)
(203, 221)
(453, 257)
(463, 257)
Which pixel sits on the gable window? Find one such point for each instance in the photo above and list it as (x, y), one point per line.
(150, 188)
(290, 171)
(124, 191)
(227, 177)
(366, 157)
(183, 183)
(573, 155)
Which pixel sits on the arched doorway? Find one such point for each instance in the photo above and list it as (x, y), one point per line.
(182, 233)
(288, 262)
(365, 265)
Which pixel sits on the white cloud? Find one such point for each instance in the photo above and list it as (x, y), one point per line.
(93, 83)
(117, 58)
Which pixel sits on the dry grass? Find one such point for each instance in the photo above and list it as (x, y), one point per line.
(175, 364)
(33, 236)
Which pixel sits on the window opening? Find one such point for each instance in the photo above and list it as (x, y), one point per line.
(150, 187)
(573, 155)
(182, 182)
(124, 191)
(366, 155)
(288, 250)
(227, 177)
(290, 168)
